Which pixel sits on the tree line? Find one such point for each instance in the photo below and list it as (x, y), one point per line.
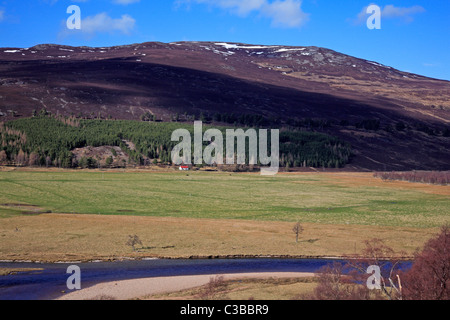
(46, 140)
(258, 120)
(431, 177)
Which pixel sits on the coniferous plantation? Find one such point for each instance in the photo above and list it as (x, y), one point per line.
(46, 140)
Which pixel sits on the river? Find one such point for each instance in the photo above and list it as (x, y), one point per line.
(50, 282)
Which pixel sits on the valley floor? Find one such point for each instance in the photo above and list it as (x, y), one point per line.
(82, 215)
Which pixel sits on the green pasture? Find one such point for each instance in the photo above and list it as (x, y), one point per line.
(315, 198)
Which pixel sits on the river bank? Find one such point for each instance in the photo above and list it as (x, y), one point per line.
(147, 287)
(207, 257)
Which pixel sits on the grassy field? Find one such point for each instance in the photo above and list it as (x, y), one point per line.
(179, 214)
(315, 198)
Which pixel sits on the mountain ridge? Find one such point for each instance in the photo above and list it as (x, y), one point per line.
(278, 82)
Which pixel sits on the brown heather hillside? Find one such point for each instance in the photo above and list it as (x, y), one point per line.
(285, 84)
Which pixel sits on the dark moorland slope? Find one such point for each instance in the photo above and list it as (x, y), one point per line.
(394, 120)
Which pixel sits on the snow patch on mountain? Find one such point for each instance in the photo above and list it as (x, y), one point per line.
(235, 46)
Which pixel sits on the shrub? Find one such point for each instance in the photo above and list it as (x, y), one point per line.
(429, 277)
(432, 177)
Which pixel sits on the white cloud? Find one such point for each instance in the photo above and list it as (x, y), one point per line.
(52, 2)
(102, 23)
(2, 14)
(240, 7)
(283, 13)
(392, 12)
(431, 65)
(125, 2)
(286, 13)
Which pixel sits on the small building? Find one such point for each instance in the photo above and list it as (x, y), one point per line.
(184, 168)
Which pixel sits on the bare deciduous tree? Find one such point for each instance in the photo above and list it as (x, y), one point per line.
(133, 241)
(377, 253)
(337, 283)
(348, 281)
(297, 230)
(215, 289)
(427, 279)
(3, 157)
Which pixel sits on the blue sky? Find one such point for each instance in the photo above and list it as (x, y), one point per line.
(414, 34)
